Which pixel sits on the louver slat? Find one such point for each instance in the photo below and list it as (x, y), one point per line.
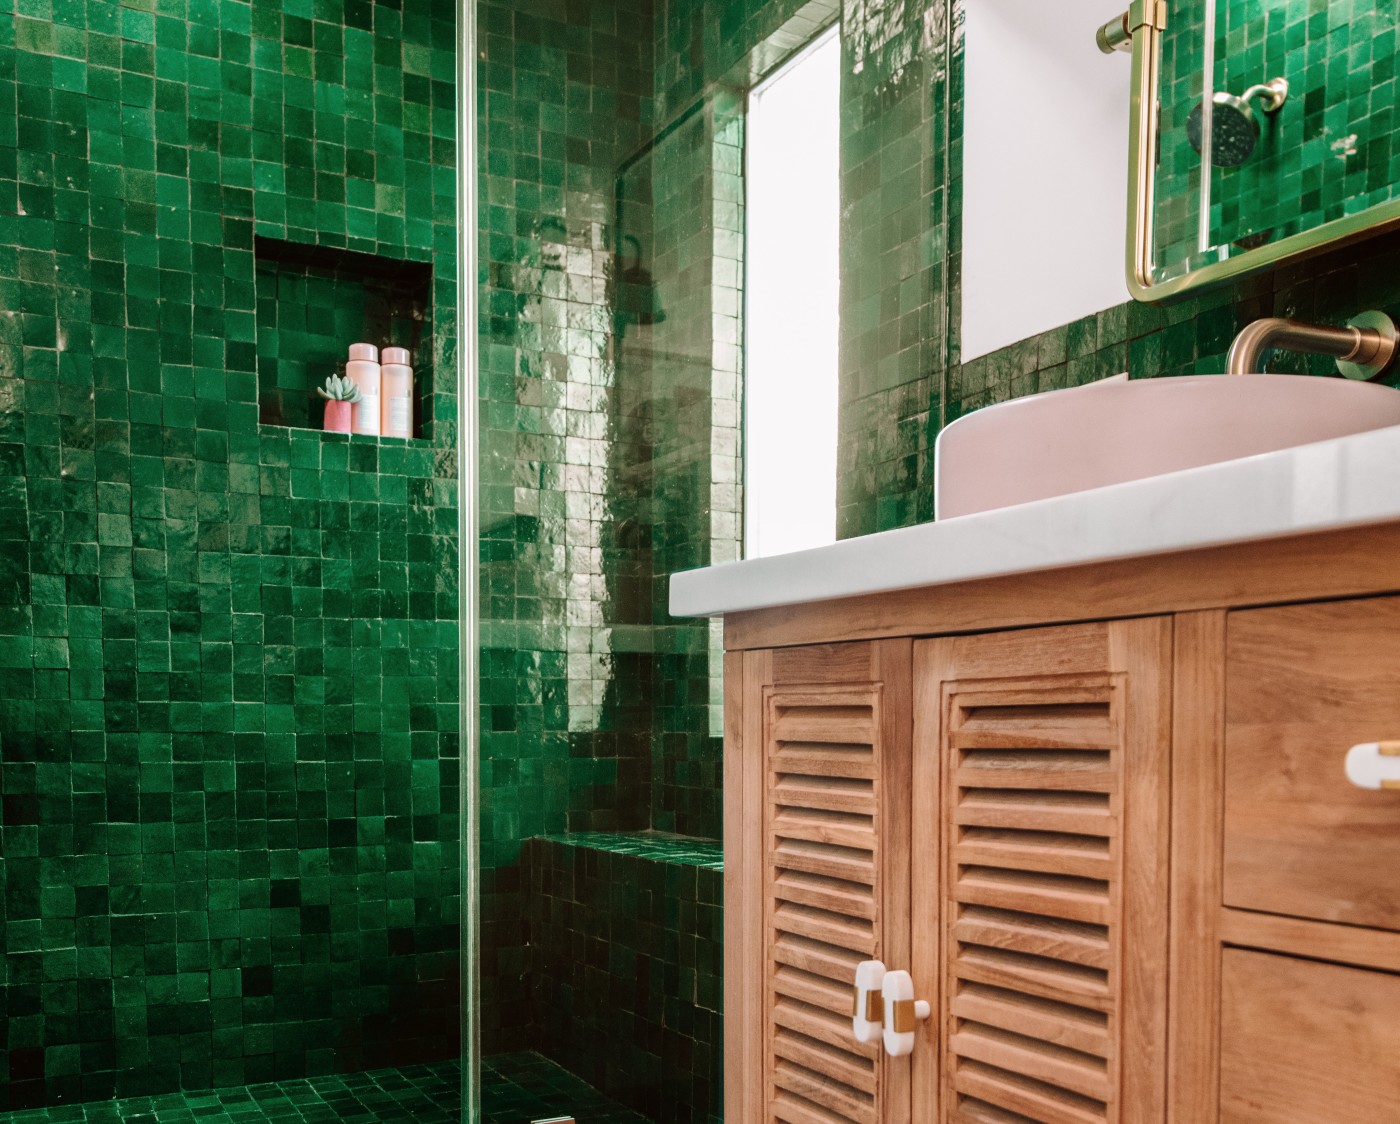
(823, 887)
(1035, 896)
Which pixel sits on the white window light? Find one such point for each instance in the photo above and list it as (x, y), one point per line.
(791, 290)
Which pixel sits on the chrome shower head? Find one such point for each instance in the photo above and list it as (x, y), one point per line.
(1235, 129)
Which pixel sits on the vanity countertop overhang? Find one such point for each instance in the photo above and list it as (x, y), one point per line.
(1333, 485)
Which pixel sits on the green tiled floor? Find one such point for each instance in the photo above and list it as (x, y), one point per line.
(516, 1088)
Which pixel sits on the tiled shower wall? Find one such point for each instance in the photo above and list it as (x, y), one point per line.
(608, 447)
(228, 655)
(564, 716)
(629, 929)
(610, 427)
(895, 136)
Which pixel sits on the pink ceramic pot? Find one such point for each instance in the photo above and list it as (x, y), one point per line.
(338, 417)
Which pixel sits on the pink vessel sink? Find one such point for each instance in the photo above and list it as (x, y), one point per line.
(1113, 431)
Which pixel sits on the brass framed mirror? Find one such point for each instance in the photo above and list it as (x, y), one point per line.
(1261, 131)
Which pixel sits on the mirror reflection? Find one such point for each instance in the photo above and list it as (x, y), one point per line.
(1290, 104)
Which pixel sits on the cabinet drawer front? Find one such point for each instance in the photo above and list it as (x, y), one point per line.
(1306, 1041)
(1304, 684)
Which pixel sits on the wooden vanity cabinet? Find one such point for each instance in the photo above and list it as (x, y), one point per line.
(1120, 858)
(991, 816)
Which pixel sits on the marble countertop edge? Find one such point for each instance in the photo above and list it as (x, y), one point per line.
(1346, 482)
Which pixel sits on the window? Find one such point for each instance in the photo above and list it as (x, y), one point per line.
(792, 289)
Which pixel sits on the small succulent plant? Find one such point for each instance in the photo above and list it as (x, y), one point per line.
(340, 389)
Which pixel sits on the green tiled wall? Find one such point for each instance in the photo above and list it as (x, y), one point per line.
(611, 426)
(1177, 206)
(566, 653)
(1334, 148)
(626, 967)
(690, 364)
(228, 753)
(896, 139)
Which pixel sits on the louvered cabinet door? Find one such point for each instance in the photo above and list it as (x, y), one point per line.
(816, 861)
(1053, 749)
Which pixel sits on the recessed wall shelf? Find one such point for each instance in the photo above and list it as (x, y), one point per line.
(313, 302)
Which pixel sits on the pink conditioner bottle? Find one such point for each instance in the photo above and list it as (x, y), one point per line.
(396, 390)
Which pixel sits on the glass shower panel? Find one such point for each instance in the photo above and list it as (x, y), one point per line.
(609, 438)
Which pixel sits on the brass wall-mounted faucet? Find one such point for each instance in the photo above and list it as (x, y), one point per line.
(1364, 349)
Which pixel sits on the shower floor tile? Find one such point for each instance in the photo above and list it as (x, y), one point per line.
(515, 1089)
(424, 1094)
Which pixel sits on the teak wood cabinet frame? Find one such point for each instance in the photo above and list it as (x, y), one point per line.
(1101, 817)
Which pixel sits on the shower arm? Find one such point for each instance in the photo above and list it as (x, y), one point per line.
(1272, 93)
(1364, 349)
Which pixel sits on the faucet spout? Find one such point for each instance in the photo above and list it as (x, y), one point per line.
(1364, 349)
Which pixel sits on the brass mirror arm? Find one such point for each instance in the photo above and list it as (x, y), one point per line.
(1115, 35)
(1146, 20)
(1366, 348)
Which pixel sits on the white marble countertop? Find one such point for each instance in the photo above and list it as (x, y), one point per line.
(1347, 482)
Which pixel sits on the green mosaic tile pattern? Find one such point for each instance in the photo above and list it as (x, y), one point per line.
(612, 225)
(1191, 337)
(228, 751)
(564, 712)
(1332, 149)
(690, 364)
(514, 1088)
(896, 140)
(626, 965)
(1177, 203)
(424, 1094)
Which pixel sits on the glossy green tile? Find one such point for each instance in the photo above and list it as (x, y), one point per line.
(652, 989)
(189, 722)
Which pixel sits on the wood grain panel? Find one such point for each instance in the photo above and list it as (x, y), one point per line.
(1306, 682)
(746, 675)
(1198, 770)
(1316, 940)
(1304, 1041)
(1053, 746)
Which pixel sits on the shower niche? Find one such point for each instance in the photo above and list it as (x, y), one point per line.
(313, 302)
